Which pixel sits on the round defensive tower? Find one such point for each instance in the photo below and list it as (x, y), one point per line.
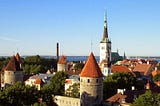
(12, 72)
(91, 83)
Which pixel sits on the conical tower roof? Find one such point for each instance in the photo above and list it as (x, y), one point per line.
(91, 68)
(63, 60)
(13, 65)
(18, 58)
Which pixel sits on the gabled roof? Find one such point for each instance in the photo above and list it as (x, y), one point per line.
(63, 60)
(142, 68)
(117, 98)
(13, 65)
(91, 68)
(18, 58)
(116, 68)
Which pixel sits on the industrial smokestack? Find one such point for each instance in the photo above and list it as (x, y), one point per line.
(57, 53)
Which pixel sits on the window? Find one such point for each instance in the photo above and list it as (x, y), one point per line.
(88, 81)
(96, 80)
(97, 97)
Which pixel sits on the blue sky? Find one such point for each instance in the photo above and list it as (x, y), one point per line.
(33, 27)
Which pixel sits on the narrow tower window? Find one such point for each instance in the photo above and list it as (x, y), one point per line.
(88, 81)
(96, 80)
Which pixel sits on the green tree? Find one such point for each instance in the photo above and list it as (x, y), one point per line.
(147, 99)
(46, 94)
(57, 83)
(19, 95)
(123, 80)
(156, 77)
(117, 81)
(109, 88)
(79, 66)
(73, 91)
(37, 64)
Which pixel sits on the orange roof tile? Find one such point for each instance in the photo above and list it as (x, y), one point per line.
(155, 72)
(68, 81)
(117, 98)
(142, 68)
(38, 81)
(13, 64)
(91, 68)
(115, 69)
(63, 60)
(18, 58)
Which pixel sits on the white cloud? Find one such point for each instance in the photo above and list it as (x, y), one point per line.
(9, 39)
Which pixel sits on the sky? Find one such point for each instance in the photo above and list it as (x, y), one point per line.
(33, 27)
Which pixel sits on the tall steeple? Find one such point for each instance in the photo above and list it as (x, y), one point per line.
(105, 50)
(105, 32)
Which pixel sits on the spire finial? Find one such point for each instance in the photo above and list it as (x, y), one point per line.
(91, 44)
(105, 19)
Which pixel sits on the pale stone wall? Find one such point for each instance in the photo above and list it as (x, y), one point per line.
(66, 101)
(11, 77)
(62, 67)
(91, 91)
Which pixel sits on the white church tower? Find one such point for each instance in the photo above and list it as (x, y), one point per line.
(105, 51)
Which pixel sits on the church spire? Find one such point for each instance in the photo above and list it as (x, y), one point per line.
(105, 33)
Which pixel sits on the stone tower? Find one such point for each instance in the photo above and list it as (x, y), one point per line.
(105, 45)
(62, 64)
(91, 83)
(105, 51)
(12, 72)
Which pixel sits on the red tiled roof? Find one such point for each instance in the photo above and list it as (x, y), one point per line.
(117, 98)
(115, 69)
(72, 72)
(13, 65)
(91, 68)
(142, 68)
(18, 58)
(155, 72)
(68, 81)
(38, 81)
(63, 60)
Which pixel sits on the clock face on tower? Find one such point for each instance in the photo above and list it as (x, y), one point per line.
(103, 48)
